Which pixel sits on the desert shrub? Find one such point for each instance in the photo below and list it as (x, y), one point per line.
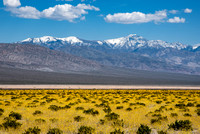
(11, 123)
(174, 114)
(198, 105)
(1, 110)
(118, 123)
(15, 115)
(34, 130)
(180, 105)
(181, 125)
(78, 118)
(119, 107)
(67, 107)
(143, 129)
(156, 115)
(85, 130)
(40, 120)
(102, 122)
(112, 116)
(187, 114)
(190, 104)
(129, 109)
(117, 132)
(55, 131)
(54, 107)
(198, 112)
(79, 108)
(37, 112)
(107, 109)
(158, 102)
(162, 132)
(91, 111)
(155, 121)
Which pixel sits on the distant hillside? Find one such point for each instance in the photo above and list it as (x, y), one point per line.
(42, 58)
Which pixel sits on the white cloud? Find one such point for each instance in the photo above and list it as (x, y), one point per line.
(67, 12)
(173, 11)
(58, 12)
(176, 20)
(11, 3)
(187, 10)
(25, 12)
(136, 17)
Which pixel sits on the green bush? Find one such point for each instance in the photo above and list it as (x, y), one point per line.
(117, 132)
(34, 130)
(79, 108)
(174, 114)
(55, 131)
(143, 129)
(78, 118)
(37, 112)
(15, 115)
(187, 114)
(128, 109)
(85, 130)
(162, 132)
(54, 107)
(190, 104)
(112, 116)
(181, 125)
(119, 107)
(11, 123)
(198, 112)
(91, 111)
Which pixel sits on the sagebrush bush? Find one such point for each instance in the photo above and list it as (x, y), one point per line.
(112, 116)
(37, 112)
(181, 125)
(15, 115)
(117, 131)
(143, 129)
(78, 118)
(11, 123)
(91, 111)
(34, 130)
(55, 131)
(85, 130)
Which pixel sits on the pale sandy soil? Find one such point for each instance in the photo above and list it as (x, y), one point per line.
(95, 87)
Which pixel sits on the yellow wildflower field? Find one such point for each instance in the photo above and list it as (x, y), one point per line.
(100, 111)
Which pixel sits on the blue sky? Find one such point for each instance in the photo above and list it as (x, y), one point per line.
(168, 20)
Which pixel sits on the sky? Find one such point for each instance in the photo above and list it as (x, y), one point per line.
(168, 20)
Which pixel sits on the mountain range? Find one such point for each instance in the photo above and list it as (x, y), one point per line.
(130, 52)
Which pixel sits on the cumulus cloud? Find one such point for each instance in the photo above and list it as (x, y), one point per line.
(58, 12)
(25, 12)
(67, 12)
(176, 20)
(187, 10)
(136, 17)
(11, 3)
(173, 11)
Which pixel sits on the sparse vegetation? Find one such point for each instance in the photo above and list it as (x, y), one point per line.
(181, 125)
(143, 129)
(99, 111)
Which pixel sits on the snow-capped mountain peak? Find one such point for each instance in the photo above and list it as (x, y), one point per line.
(196, 46)
(71, 39)
(130, 42)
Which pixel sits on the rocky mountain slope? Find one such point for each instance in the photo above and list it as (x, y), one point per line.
(43, 59)
(133, 52)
